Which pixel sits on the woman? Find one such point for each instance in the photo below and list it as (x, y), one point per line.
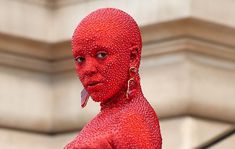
(107, 47)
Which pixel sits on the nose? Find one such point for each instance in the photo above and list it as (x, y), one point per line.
(90, 67)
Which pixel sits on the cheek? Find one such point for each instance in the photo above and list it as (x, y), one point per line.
(115, 74)
(114, 79)
(79, 72)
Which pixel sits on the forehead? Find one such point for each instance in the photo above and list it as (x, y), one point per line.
(89, 42)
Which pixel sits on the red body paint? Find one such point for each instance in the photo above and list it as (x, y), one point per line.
(106, 44)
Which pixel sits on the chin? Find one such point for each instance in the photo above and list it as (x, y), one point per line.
(96, 97)
(100, 97)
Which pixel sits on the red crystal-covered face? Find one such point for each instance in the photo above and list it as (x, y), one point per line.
(101, 47)
(101, 66)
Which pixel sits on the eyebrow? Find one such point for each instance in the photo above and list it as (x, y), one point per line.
(81, 50)
(101, 47)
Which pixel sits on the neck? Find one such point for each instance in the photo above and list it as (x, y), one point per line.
(120, 98)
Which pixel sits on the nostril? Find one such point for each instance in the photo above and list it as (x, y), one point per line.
(91, 71)
(89, 67)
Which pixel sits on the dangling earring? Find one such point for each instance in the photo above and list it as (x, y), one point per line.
(131, 86)
(84, 97)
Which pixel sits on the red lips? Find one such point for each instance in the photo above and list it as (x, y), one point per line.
(92, 84)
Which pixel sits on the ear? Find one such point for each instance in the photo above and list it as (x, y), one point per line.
(134, 59)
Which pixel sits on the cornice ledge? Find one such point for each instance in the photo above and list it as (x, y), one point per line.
(188, 34)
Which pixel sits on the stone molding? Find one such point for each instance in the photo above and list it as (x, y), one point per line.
(53, 4)
(198, 130)
(190, 44)
(54, 20)
(184, 128)
(180, 35)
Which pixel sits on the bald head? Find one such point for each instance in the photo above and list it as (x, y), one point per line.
(111, 26)
(106, 44)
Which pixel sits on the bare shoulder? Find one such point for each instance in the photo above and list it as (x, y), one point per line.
(132, 120)
(133, 131)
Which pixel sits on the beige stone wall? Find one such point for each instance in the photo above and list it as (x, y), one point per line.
(187, 70)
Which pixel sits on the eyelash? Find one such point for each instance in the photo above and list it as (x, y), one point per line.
(101, 55)
(79, 59)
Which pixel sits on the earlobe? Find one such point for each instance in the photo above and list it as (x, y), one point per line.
(134, 51)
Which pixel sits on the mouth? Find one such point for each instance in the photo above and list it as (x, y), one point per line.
(93, 84)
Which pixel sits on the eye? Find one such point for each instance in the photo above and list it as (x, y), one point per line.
(80, 59)
(101, 54)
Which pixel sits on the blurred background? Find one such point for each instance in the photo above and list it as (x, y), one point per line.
(187, 70)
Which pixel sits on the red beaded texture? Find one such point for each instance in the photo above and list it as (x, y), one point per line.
(106, 44)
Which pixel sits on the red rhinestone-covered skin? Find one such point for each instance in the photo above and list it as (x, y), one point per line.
(106, 45)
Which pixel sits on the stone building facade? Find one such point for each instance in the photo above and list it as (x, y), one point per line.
(187, 70)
